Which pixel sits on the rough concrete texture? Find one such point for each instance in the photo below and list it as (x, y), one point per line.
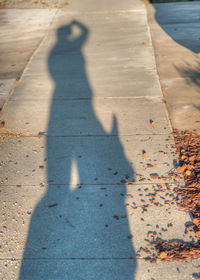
(175, 34)
(21, 33)
(71, 5)
(102, 269)
(81, 117)
(5, 88)
(79, 201)
(102, 57)
(32, 4)
(95, 220)
(89, 151)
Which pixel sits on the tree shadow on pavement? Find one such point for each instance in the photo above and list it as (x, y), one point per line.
(181, 22)
(190, 73)
(79, 231)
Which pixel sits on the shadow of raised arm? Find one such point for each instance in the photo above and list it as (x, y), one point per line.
(84, 32)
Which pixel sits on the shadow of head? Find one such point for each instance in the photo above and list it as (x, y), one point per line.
(72, 32)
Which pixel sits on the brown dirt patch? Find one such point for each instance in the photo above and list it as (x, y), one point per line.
(6, 134)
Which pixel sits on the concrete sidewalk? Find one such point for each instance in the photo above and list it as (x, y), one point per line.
(21, 33)
(83, 200)
(175, 34)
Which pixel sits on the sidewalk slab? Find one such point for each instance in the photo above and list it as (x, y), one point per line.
(112, 68)
(176, 25)
(90, 222)
(68, 156)
(103, 269)
(42, 86)
(72, 6)
(102, 6)
(87, 117)
(21, 33)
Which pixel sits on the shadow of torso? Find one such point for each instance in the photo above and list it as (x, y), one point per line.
(79, 231)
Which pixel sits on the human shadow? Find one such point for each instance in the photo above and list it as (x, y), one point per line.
(79, 229)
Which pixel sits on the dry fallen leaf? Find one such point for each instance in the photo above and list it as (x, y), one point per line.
(188, 172)
(2, 123)
(154, 176)
(163, 255)
(192, 158)
(183, 157)
(196, 221)
(190, 167)
(42, 134)
(181, 169)
(152, 123)
(144, 153)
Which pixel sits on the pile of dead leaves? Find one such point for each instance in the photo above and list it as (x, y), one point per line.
(188, 148)
(177, 250)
